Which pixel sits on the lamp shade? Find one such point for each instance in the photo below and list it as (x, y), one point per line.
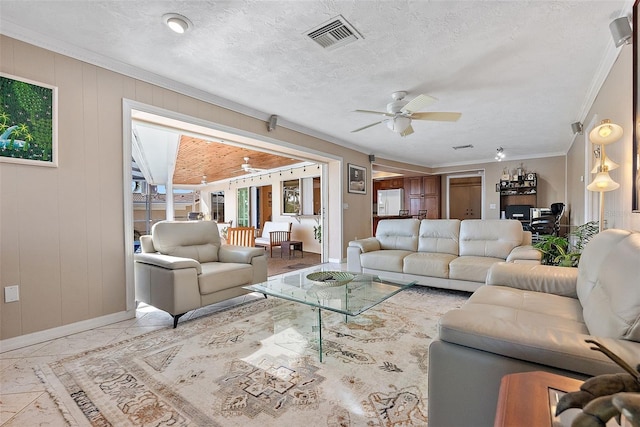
(609, 165)
(605, 133)
(603, 182)
(399, 124)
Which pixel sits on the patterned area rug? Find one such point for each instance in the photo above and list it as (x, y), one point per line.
(257, 365)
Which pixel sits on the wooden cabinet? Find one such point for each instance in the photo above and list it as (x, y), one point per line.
(521, 191)
(423, 192)
(465, 198)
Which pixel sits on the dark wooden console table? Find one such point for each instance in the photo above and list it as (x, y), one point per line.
(288, 248)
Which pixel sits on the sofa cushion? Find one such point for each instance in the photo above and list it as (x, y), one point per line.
(197, 240)
(592, 258)
(490, 237)
(217, 276)
(398, 234)
(531, 301)
(532, 326)
(471, 268)
(387, 260)
(439, 236)
(428, 264)
(608, 285)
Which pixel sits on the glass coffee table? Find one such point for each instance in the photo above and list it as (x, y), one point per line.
(352, 299)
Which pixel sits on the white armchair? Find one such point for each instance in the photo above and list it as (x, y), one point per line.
(273, 234)
(183, 266)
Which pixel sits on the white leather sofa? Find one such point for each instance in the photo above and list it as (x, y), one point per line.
(444, 253)
(183, 266)
(536, 318)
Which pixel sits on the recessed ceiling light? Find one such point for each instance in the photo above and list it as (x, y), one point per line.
(177, 23)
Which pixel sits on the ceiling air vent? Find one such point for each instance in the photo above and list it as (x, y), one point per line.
(462, 147)
(334, 33)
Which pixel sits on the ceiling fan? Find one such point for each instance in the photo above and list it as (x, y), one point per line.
(247, 168)
(400, 113)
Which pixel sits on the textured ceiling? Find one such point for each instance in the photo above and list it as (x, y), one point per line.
(520, 72)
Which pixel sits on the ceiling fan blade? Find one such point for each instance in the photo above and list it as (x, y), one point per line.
(437, 116)
(407, 131)
(418, 103)
(368, 126)
(374, 112)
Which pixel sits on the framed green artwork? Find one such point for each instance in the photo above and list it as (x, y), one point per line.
(28, 122)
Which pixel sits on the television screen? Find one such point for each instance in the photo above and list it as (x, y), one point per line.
(520, 212)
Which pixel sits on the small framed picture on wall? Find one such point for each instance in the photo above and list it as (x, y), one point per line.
(28, 122)
(357, 179)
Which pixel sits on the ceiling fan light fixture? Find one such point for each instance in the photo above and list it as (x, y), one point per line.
(177, 23)
(399, 124)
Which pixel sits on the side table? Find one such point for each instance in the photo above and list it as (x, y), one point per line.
(288, 247)
(524, 398)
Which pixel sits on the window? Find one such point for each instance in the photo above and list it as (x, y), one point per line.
(217, 206)
(291, 197)
(243, 207)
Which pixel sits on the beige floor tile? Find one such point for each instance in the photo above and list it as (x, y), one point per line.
(11, 404)
(41, 412)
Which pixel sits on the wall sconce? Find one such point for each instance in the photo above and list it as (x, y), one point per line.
(609, 164)
(621, 31)
(499, 154)
(604, 134)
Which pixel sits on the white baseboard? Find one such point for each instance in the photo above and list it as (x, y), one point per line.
(62, 331)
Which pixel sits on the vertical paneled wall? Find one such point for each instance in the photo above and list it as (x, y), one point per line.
(62, 229)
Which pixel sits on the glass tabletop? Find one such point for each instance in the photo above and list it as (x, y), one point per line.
(357, 296)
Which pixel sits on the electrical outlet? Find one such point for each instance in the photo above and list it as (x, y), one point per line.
(492, 206)
(11, 293)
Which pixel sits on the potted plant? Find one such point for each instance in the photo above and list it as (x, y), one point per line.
(317, 233)
(557, 250)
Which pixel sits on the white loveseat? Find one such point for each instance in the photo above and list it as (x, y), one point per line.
(536, 318)
(444, 253)
(183, 266)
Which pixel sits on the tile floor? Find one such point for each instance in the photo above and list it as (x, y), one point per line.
(23, 398)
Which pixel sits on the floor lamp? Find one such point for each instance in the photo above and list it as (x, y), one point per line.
(604, 134)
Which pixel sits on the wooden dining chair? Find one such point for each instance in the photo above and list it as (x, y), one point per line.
(277, 237)
(422, 214)
(241, 236)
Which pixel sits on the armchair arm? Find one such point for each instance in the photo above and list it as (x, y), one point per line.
(539, 278)
(167, 261)
(146, 244)
(525, 253)
(238, 254)
(366, 245)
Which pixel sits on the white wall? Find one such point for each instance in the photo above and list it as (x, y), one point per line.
(614, 102)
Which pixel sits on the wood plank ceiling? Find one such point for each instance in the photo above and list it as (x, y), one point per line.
(199, 160)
